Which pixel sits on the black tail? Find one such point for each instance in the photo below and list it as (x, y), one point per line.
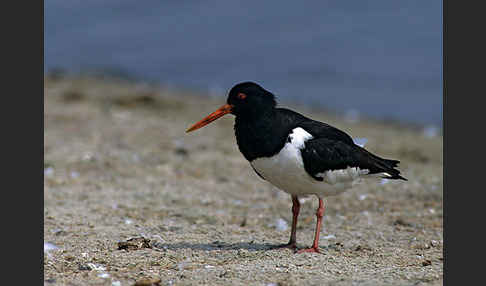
(394, 173)
(385, 166)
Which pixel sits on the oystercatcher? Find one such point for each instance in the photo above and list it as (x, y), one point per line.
(296, 154)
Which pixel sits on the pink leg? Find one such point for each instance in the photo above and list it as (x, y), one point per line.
(293, 232)
(295, 214)
(319, 215)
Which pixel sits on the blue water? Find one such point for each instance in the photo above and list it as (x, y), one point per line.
(380, 58)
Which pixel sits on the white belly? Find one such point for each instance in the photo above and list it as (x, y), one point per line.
(285, 170)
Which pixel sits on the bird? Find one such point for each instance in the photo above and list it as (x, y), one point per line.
(297, 154)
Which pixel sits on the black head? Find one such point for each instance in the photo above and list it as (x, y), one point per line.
(250, 98)
(246, 99)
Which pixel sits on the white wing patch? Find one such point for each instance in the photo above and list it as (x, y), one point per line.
(298, 137)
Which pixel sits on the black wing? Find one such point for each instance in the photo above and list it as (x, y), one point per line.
(322, 130)
(322, 154)
(316, 128)
(333, 149)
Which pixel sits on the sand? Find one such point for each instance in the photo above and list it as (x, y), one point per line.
(118, 165)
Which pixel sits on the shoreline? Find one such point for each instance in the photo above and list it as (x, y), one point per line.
(126, 78)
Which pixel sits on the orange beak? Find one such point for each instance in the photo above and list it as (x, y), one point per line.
(225, 109)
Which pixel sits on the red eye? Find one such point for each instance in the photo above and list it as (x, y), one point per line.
(241, 95)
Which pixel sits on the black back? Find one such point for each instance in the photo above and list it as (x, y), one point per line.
(265, 135)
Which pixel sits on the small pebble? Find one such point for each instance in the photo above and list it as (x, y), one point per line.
(87, 156)
(331, 236)
(83, 267)
(96, 267)
(281, 225)
(49, 247)
(149, 282)
(426, 262)
(134, 243)
(104, 275)
(181, 151)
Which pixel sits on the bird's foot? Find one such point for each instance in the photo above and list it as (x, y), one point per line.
(310, 249)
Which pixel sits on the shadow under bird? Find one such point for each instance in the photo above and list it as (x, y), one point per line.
(298, 155)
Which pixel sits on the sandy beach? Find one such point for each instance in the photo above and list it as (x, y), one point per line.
(119, 166)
